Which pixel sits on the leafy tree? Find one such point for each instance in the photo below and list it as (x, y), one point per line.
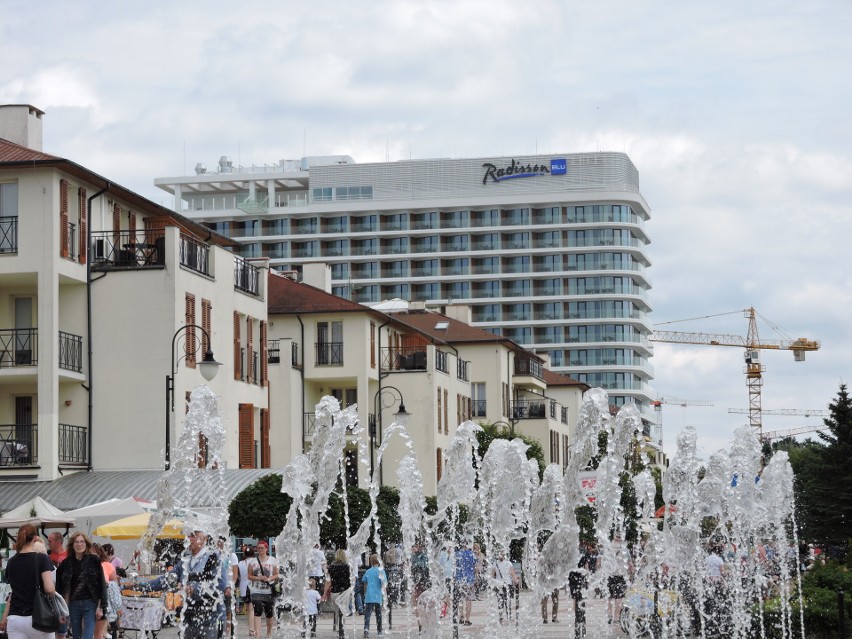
(260, 510)
(490, 432)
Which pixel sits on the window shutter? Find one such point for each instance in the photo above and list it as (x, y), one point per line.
(190, 344)
(246, 434)
(439, 463)
(249, 349)
(63, 217)
(372, 344)
(201, 456)
(131, 225)
(264, 355)
(265, 450)
(439, 410)
(84, 227)
(446, 412)
(206, 321)
(238, 373)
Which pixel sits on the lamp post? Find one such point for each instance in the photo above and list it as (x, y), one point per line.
(510, 425)
(388, 396)
(208, 367)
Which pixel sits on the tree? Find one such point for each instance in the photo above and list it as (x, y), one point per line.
(490, 432)
(260, 510)
(834, 491)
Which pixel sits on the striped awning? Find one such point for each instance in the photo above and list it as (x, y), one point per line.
(85, 488)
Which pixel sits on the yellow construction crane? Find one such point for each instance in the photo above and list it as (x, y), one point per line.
(658, 408)
(787, 412)
(752, 345)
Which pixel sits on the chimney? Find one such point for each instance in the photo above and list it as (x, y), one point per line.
(21, 124)
(317, 275)
(460, 312)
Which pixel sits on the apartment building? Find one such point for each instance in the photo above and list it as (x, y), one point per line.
(549, 251)
(99, 292)
(442, 369)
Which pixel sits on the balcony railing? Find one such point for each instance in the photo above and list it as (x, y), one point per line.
(72, 242)
(309, 425)
(273, 351)
(525, 366)
(478, 407)
(133, 249)
(295, 362)
(528, 409)
(442, 361)
(194, 255)
(9, 234)
(70, 352)
(246, 276)
(564, 415)
(404, 358)
(18, 445)
(462, 370)
(18, 347)
(329, 353)
(73, 444)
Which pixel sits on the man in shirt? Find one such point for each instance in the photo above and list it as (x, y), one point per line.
(58, 553)
(204, 584)
(465, 578)
(317, 567)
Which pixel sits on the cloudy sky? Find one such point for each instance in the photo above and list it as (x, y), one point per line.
(737, 115)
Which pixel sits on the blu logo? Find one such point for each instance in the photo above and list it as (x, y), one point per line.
(558, 167)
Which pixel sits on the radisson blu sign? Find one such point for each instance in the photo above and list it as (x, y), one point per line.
(558, 166)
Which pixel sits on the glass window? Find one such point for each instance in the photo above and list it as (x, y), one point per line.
(424, 268)
(322, 195)
(364, 224)
(428, 220)
(340, 271)
(490, 217)
(428, 291)
(516, 217)
(456, 290)
(487, 313)
(516, 240)
(486, 266)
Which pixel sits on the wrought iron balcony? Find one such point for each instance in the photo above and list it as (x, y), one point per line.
(273, 351)
(478, 408)
(404, 358)
(442, 361)
(73, 445)
(462, 370)
(246, 276)
(9, 234)
(529, 409)
(128, 249)
(528, 366)
(19, 347)
(18, 445)
(70, 352)
(194, 255)
(329, 353)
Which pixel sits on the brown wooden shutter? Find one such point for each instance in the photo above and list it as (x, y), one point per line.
(131, 225)
(201, 455)
(372, 344)
(439, 463)
(246, 434)
(84, 227)
(265, 449)
(446, 412)
(63, 218)
(190, 345)
(249, 347)
(439, 410)
(264, 355)
(238, 373)
(206, 324)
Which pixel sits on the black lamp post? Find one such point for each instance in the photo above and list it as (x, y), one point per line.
(388, 396)
(510, 425)
(208, 367)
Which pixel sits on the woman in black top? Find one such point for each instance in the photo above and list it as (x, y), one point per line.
(80, 579)
(23, 572)
(338, 582)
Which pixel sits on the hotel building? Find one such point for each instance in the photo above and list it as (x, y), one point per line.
(548, 250)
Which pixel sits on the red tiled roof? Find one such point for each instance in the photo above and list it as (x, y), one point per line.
(286, 296)
(11, 152)
(455, 331)
(552, 378)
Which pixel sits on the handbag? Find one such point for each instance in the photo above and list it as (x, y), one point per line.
(275, 587)
(46, 616)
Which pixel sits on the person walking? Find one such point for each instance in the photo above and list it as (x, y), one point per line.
(374, 581)
(261, 573)
(245, 589)
(80, 578)
(338, 583)
(26, 572)
(113, 589)
(200, 574)
(463, 594)
(505, 579)
(55, 543)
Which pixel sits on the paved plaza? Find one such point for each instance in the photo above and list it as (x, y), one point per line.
(405, 625)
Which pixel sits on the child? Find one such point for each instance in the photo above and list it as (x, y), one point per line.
(312, 599)
(374, 580)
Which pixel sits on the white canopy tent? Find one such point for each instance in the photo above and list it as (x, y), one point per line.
(90, 517)
(37, 512)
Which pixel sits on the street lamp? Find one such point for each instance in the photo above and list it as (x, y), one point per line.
(388, 395)
(208, 368)
(510, 425)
